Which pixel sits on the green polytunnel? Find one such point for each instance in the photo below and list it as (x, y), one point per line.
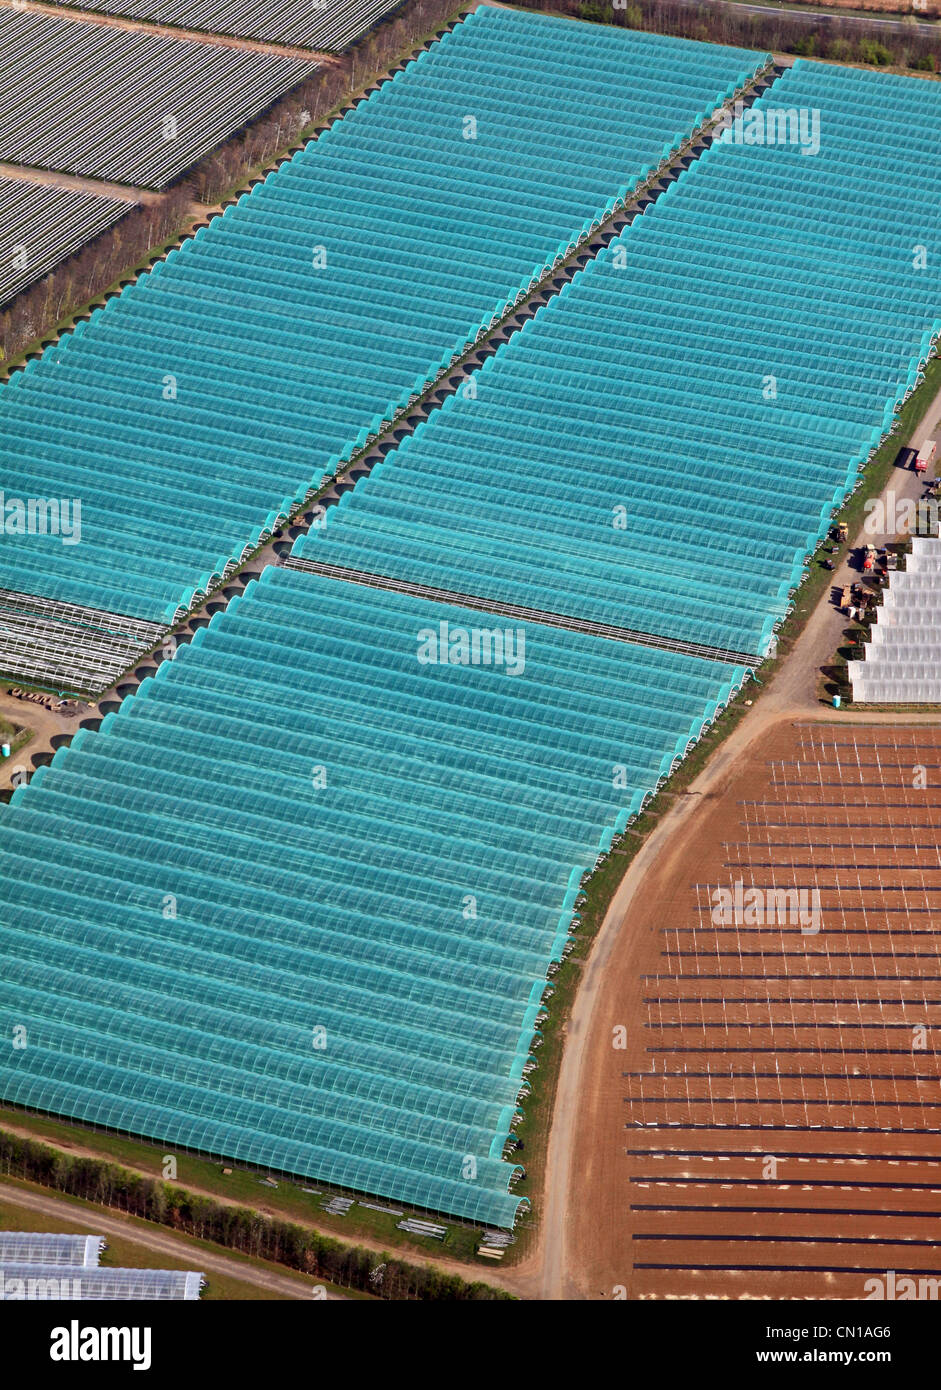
(296, 828)
(786, 387)
(281, 360)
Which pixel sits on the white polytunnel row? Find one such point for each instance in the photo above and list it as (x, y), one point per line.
(902, 659)
(130, 107)
(40, 225)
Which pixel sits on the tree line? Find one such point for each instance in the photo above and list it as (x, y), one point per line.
(91, 270)
(237, 1228)
(842, 40)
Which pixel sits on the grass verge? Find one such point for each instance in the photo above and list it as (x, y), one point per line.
(248, 1187)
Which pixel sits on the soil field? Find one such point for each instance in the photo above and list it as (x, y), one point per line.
(762, 1112)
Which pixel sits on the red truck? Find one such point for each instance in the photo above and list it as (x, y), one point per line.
(925, 455)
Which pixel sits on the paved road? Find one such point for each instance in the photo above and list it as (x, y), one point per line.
(207, 1262)
(792, 12)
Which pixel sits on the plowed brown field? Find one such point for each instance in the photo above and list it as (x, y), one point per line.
(772, 1127)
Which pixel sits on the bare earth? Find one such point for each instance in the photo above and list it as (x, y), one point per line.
(746, 1042)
